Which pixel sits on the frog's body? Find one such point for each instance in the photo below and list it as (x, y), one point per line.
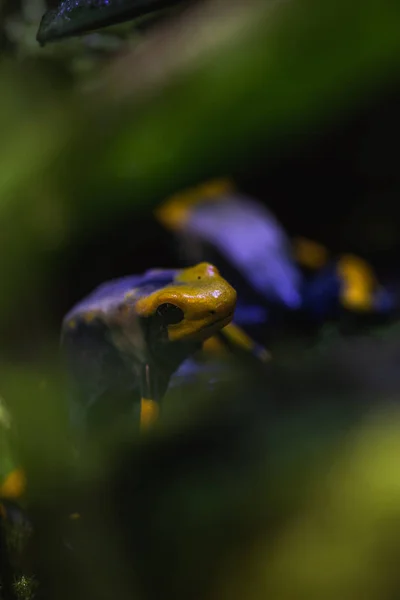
(241, 235)
(274, 275)
(126, 339)
(124, 342)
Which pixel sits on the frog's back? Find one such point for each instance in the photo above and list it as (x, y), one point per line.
(111, 294)
(103, 382)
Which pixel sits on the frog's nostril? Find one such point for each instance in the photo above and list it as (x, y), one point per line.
(207, 270)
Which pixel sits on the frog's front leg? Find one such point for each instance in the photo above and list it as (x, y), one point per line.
(233, 339)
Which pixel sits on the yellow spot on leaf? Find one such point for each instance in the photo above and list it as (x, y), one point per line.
(14, 485)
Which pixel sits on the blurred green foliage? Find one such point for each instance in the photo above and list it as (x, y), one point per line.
(226, 499)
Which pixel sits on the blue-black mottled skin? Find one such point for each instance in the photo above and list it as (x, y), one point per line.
(321, 295)
(274, 279)
(125, 340)
(74, 17)
(105, 381)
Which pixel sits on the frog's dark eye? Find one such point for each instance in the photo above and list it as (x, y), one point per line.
(170, 314)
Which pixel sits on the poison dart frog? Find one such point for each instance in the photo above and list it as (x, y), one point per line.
(272, 273)
(125, 340)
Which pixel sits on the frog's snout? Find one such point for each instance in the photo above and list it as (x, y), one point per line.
(197, 304)
(200, 273)
(225, 303)
(212, 302)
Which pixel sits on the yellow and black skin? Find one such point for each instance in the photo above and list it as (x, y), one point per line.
(124, 341)
(358, 282)
(127, 338)
(134, 324)
(12, 488)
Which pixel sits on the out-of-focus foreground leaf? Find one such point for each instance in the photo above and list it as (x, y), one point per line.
(274, 486)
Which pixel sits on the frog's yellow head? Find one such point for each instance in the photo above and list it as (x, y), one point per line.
(197, 304)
